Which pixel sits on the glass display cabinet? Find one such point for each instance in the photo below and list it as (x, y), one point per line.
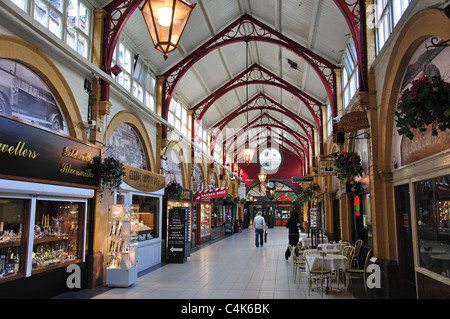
(121, 268)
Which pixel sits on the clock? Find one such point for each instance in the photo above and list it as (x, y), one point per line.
(270, 185)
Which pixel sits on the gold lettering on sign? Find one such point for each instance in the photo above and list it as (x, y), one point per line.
(143, 180)
(423, 144)
(18, 150)
(67, 169)
(71, 153)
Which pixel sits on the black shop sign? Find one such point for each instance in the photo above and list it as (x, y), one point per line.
(176, 235)
(34, 154)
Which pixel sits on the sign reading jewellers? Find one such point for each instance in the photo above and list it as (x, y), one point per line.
(34, 154)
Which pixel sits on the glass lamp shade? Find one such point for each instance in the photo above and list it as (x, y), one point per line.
(262, 177)
(270, 194)
(166, 20)
(247, 152)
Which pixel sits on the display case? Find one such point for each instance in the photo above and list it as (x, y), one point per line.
(56, 234)
(205, 221)
(121, 268)
(147, 216)
(12, 217)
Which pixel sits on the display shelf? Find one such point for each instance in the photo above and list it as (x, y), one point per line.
(121, 269)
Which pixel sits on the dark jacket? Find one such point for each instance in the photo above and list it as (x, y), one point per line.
(293, 224)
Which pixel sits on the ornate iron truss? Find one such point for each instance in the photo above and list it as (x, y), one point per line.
(258, 103)
(119, 11)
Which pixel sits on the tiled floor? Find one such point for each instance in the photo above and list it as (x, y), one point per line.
(231, 268)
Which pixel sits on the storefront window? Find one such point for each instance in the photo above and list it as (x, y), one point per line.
(56, 233)
(433, 224)
(206, 221)
(12, 212)
(147, 220)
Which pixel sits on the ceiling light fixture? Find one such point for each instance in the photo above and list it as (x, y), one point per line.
(247, 152)
(166, 20)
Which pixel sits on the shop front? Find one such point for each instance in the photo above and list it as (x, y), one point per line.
(47, 181)
(420, 169)
(205, 210)
(145, 190)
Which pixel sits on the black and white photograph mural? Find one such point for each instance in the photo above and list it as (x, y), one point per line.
(172, 168)
(125, 146)
(197, 179)
(24, 95)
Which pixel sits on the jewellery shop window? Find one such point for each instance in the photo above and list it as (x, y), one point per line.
(433, 223)
(57, 237)
(12, 217)
(147, 220)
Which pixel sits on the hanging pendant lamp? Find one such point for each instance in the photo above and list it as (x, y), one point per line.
(166, 20)
(247, 152)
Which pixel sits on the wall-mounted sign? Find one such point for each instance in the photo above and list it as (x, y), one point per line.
(354, 121)
(35, 154)
(302, 179)
(143, 180)
(207, 195)
(326, 168)
(422, 145)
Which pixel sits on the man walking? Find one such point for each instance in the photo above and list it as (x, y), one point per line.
(260, 224)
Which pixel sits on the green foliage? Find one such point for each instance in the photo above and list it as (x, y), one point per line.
(348, 166)
(111, 173)
(174, 191)
(426, 102)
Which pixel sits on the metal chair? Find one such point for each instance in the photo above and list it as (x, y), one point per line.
(317, 274)
(354, 273)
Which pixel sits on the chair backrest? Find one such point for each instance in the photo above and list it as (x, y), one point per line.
(293, 254)
(358, 246)
(349, 252)
(366, 263)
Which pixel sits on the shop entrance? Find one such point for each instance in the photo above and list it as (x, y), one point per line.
(405, 243)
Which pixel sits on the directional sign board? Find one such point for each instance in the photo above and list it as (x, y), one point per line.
(302, 179)
(176, 235)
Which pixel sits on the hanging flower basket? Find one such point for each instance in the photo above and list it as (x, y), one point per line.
(348, 166)
(426, 102)
(307, 194)
(174, 191)
(111, 173)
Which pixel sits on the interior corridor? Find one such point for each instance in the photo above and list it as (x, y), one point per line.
(230, 268)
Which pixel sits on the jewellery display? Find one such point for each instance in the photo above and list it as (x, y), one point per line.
(55, 234)
(121, 263)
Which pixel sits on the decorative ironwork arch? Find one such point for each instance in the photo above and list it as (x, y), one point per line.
(119, 11)
(262, 102)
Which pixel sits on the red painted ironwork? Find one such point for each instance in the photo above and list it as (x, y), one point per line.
(257, 75)
(119, 11)
(234, 33)
(354, 12)
(262, 102)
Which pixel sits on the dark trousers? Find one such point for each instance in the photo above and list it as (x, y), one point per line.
(259, 234)
(293, 241)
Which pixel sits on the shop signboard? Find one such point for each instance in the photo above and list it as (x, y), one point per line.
(354, 121)
(143, 180)
(176, 235)
(326, 168)
(207, 195)
(35, 154)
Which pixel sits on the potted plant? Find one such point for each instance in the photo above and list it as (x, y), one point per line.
(174, 191)
(426, 102)
(111, 173)
(348, 166)
(229, 200)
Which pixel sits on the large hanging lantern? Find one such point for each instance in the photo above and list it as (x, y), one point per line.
(165, 21)
(247, 152)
